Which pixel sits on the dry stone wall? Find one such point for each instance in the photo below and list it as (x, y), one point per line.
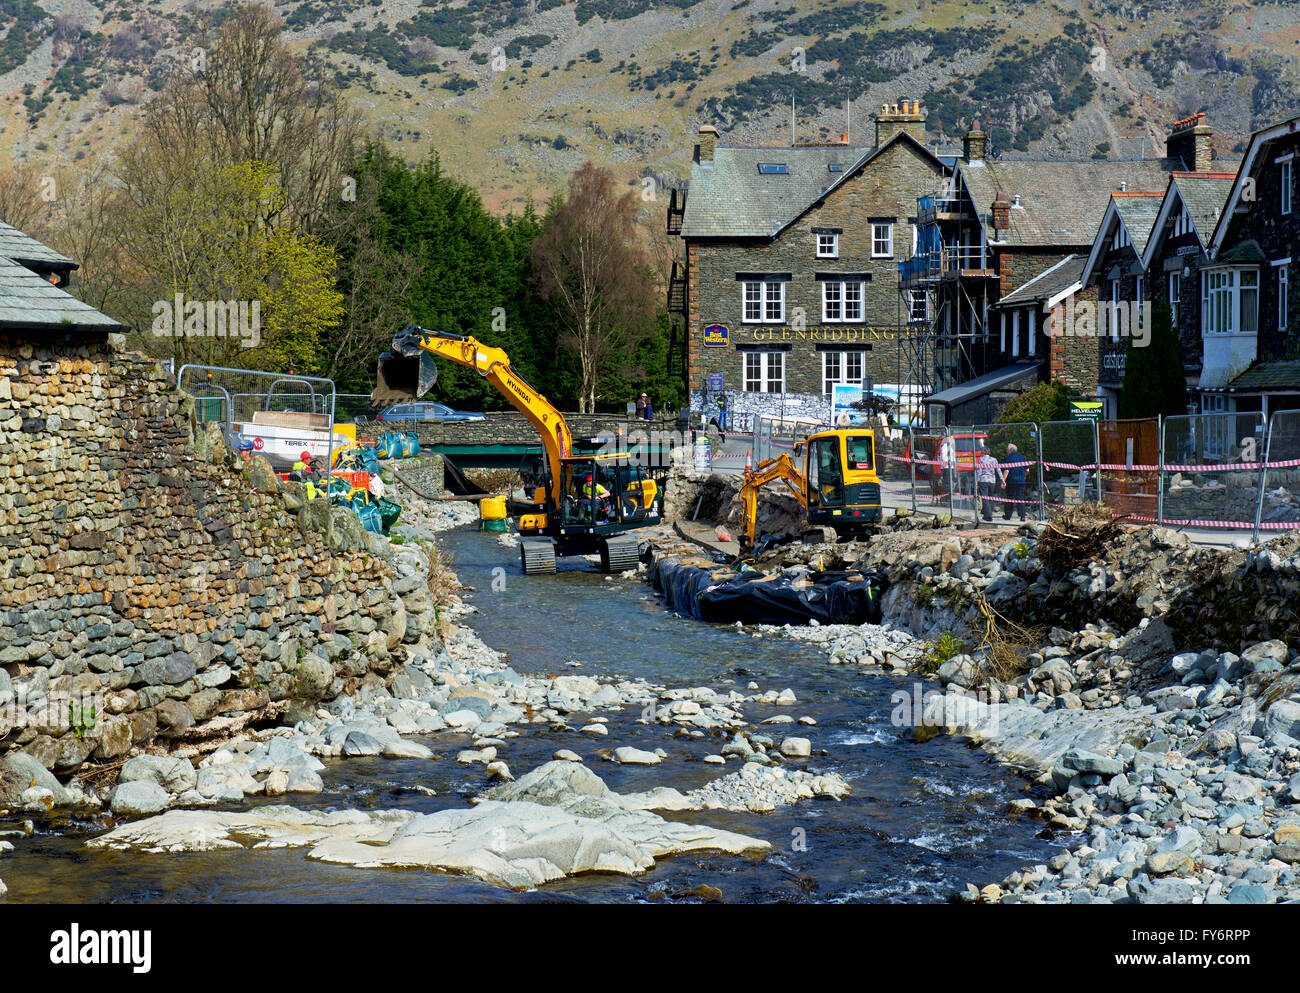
(149, 582)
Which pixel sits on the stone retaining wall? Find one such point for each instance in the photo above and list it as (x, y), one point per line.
(147, 584)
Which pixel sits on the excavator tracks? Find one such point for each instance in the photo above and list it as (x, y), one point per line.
(619, 553)
(537, 556)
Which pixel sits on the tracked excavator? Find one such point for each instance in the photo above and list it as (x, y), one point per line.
(587, 503)
(838, 485)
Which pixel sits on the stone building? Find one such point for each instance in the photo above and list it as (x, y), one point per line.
(790, 254)
(148, 581)
(1114, 269)
(1250, 329)
(998, 225)
(1176, 251)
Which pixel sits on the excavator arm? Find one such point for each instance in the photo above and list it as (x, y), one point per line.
(408, 371)
(783, 468)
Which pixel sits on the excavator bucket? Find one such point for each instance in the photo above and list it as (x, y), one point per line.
(405, 373)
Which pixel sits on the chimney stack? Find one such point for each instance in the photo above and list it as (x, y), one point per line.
(893, 118)
(975, 144)
(708, 143)
(1001, 212)
(1192, 140)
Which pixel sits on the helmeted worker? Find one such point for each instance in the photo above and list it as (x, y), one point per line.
(306, 473)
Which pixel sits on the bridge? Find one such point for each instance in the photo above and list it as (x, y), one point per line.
(506, 439)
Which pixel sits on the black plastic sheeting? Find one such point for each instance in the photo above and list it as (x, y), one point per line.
(457, 483)
(725, 596)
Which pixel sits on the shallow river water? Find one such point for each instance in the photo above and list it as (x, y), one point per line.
(923, 820)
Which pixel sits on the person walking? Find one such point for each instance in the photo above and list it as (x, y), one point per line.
(647, 411)
(640, 406)
(1013, 481)
(986, 476)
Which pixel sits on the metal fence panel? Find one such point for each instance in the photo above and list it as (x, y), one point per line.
(1210, 469)
(930, 489)
(894, 467)
(1068, 467)
(1130, 453)
(1023, 501)
(1278, 505)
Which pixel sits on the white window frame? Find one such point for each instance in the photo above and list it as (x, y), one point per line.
(1283, 286)
(1015, 334)
(1002, 326)
(1031, 347)
(846, 368)
(1284, 181)
(769, 368)
(913, 297)
(832, 302)
(828, 252)
(843, 302)
(768, 293)
(1174, 290)
(888, 240)
(1112, 324)
(1222, 297)
(1139, 284)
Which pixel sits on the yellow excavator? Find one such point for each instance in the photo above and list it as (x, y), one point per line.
(838, 485)
(587, 503)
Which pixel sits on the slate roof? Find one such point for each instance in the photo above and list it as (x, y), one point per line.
(1053, 280)
(954, 396)
(28, 302)
(24, 248)
(1061, 203)
(1283, 374)
(1204, 196)
(1138, 212)
(730, 198)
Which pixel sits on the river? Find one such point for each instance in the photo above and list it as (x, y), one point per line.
(923, 820)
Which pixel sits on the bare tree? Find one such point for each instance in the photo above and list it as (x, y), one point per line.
(591, 267)
(374, 280)
(20, 199)
(252, 100)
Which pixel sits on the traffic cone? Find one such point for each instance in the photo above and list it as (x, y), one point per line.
(749, 461)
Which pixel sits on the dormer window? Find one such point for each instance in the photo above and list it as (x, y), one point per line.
(828, 246)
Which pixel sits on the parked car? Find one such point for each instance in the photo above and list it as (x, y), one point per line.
(425, 411)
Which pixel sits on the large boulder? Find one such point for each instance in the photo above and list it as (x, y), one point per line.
(172, 774)
(313, 677)
(138, 798)
(19, 772)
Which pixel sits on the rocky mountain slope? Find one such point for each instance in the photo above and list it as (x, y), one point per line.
(515, 93)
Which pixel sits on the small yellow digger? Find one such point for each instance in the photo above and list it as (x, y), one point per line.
(838, 485)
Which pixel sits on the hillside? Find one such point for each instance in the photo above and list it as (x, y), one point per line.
(514, 94)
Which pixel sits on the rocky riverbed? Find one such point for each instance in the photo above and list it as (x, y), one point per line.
(198, 798)
(1175, 772)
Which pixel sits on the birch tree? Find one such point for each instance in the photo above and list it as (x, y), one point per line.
(589, 265)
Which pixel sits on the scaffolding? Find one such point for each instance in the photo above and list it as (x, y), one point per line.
(944, 293)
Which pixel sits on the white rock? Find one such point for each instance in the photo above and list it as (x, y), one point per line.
(796, 747)
(635, 756)
(564, 755)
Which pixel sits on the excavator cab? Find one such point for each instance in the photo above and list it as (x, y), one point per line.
(843, 487)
